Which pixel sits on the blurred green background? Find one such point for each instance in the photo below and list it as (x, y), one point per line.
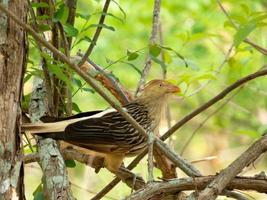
(202, 34)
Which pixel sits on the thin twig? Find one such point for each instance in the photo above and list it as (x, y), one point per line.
(226, 175)
(212, 101)
(152, 40)
(206, 119)
(124, 96)
(97, 33)
(90, 191)
(217, 71)
(150, 142)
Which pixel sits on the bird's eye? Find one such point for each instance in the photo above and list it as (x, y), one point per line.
(160, 85)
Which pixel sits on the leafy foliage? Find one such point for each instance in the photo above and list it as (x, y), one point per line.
(194, 52)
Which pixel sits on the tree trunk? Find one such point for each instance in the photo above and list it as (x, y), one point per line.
(12, 55)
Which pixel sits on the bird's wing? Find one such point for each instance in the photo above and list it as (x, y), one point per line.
(106, 133)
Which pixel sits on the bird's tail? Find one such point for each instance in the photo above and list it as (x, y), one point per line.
(45, 127)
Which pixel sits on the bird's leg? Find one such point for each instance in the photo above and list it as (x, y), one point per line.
(113, 162)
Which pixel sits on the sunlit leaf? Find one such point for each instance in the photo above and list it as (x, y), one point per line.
(38, 193)
(83, 16)
(243, 32)
(132, 55)
(154, 50)
(61, 14)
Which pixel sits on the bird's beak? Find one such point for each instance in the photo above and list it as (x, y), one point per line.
(174, 89)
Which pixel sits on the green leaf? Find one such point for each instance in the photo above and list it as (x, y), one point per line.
(27, 77)
(38, 193)
(76, 108)
(77, 82)
(154, 50)
(58, 71)
(88, 90)
(176, 53)
(42, 17)
(133, 66)
(158, 61)
(245, 8)
(39, 5)
(61, 14)
(70, 163)
(85, 38)
(83, 16)
(70, 30)
(100, 25)
(114, 16)
(132, 55)
(209, 76)
(243, 32)
(121, 9)
(43, 27)
(25, 101)
(251, 133)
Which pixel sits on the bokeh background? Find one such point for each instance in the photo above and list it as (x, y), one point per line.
(202, 34)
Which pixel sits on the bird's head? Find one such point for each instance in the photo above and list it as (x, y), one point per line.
(158, 89)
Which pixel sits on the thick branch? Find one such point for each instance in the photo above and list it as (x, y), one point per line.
(226, 175)
(183, 184)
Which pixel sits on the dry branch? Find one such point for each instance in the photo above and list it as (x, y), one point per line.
(183, 184)
(227, 174)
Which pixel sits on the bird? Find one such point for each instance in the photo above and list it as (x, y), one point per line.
(107, 133)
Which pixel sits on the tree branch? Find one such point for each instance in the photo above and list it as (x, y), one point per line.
(226, 175)
(152, 40)
(97, 33)
(183, 184)
(212, 101)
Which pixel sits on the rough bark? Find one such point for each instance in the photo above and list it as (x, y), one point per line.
(12, 54)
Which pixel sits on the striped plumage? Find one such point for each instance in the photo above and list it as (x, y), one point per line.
(108, 132)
